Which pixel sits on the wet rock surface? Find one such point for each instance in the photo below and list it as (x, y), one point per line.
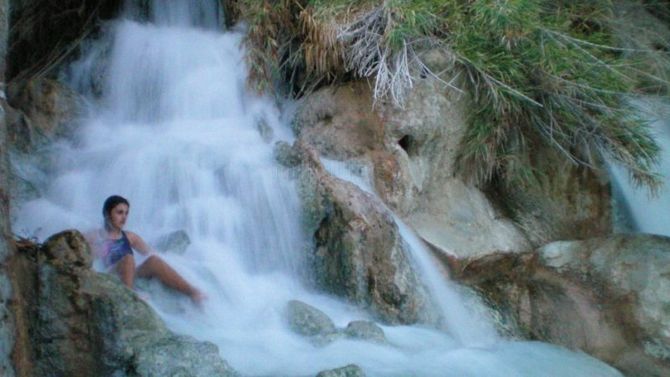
(174, 242)
(43, 110)
(286, 155)
(358, 251)
(83, 323)
(339, 121)
(365, 330)
(307, 320)
(608, 297)
(40, 111)
(351, 370)
(410, 155)
(310, 322)
(8, 327)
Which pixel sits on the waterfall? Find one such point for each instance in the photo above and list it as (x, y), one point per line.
(643, 212)
(467, 322)
(177, 133)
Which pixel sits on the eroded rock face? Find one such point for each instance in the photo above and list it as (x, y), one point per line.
(608, 297)
(365, 330)
(411, 153)
(307, 320)
(632, 268)
(43, 110)
(359, 253)
(423, 139)
(82, 323)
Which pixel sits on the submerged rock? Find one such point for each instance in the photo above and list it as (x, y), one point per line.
(174, 242)
(351, 370)
(365, 330)
(266, 132)
(307, 320)
(83, 323)
(574, 202)
(43, 110)
(608, 297)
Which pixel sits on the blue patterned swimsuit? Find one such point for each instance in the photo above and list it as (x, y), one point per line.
(114, 250)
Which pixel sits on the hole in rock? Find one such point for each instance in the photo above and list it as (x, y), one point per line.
(408, 144)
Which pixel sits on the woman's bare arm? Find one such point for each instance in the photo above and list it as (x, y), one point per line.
(137, 243)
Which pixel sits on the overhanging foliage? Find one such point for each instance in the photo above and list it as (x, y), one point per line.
(538, 71)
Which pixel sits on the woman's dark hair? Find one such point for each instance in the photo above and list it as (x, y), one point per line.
(112, 202)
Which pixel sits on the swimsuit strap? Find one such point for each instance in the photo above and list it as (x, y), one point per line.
(115, 249)
(125, 238)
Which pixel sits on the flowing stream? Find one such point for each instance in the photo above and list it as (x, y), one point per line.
(178, 134)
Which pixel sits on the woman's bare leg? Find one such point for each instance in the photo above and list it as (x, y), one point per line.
(126, 270)
(155, 267)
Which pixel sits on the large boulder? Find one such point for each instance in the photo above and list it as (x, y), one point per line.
(358, 252)
(351, 370)
(410, 154)
(608, 297)
(82, 323)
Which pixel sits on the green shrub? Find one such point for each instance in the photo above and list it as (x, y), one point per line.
(538, 71)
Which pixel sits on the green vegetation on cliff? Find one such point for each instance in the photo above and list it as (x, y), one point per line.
(559, 73)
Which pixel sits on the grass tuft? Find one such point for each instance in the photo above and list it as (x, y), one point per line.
(559, 73)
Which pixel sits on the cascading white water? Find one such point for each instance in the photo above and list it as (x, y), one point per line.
(649, 214)
(176, 133)
(470, 327)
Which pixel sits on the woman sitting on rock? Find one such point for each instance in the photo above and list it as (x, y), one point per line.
(115, 247)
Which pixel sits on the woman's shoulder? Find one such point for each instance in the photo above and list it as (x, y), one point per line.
(132, 236)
